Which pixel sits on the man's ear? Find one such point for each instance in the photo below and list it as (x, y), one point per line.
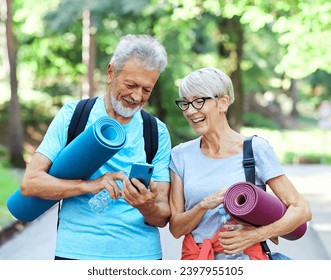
(110, 73)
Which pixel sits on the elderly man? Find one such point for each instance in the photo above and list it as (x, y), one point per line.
(128, 228)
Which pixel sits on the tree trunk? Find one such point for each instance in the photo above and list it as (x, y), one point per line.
(157, 100)
(233, 28)
(236, 77)
(271, 111)
(14, 109)
(88, 54)
(294, 97)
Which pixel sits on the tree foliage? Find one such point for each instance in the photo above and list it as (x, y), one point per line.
(282, 40)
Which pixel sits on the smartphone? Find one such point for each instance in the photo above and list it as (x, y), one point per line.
(142, 171)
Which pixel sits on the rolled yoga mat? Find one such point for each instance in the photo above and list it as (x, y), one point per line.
(78, 160)
(248, 204)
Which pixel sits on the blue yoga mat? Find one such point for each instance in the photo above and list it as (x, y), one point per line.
(79, 160)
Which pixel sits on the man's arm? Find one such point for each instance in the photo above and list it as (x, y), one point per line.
(37, 182)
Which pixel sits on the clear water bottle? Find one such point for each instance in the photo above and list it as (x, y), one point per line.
(101, 201)
(223, 222)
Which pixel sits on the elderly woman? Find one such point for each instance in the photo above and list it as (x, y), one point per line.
(203, 168)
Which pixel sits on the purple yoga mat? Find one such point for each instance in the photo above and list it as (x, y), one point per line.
(248, 204)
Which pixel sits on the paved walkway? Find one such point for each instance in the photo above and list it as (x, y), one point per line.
(37, 241)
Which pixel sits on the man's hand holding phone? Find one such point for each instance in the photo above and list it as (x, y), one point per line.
(140, 190)
(143, 172)
(150, 198)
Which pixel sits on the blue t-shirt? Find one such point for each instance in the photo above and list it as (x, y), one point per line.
(202, 176)
(120, 232)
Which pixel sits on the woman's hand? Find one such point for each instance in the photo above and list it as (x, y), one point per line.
(213, 200)
(238, 239)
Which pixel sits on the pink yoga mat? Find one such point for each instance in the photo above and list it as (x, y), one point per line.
(248, 204)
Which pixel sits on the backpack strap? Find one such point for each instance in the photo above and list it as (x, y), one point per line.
(249, 167)
(77, 124)
(82, 112)
(79, 118)
(151, 136)
(249, 161)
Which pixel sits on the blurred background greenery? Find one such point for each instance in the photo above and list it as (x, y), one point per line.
(276, 53)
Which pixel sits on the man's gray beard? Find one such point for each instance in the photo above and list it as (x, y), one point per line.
(121, 110)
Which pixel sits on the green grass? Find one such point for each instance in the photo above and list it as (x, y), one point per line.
(297, 146)
(8, 185)
(310, 145)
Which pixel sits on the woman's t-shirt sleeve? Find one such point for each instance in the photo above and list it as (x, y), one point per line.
(266, 162)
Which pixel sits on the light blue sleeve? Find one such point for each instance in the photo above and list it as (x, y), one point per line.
(56, 136)
(175, 165)
(162, 157)
(266, 161)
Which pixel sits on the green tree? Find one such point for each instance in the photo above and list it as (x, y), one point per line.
(16, 137)
(252, 41)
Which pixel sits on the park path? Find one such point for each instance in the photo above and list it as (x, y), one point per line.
(37, 240)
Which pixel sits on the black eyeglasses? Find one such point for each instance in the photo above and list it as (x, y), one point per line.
(196, 103)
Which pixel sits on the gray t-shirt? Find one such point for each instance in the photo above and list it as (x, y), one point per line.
(202, 176)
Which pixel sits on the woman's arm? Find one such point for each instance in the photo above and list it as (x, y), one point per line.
(183, 222)
(297, 213)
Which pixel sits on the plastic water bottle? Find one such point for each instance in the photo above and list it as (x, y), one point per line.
(223, 222)
(101, 201)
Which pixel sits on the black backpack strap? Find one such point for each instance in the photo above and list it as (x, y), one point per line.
(249, 167)
(79, 118)
(249, 161)
(77, 125)
(82, 112)
(151, 136)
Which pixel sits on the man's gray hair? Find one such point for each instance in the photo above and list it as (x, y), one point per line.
(148, 51)
(206, 82)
